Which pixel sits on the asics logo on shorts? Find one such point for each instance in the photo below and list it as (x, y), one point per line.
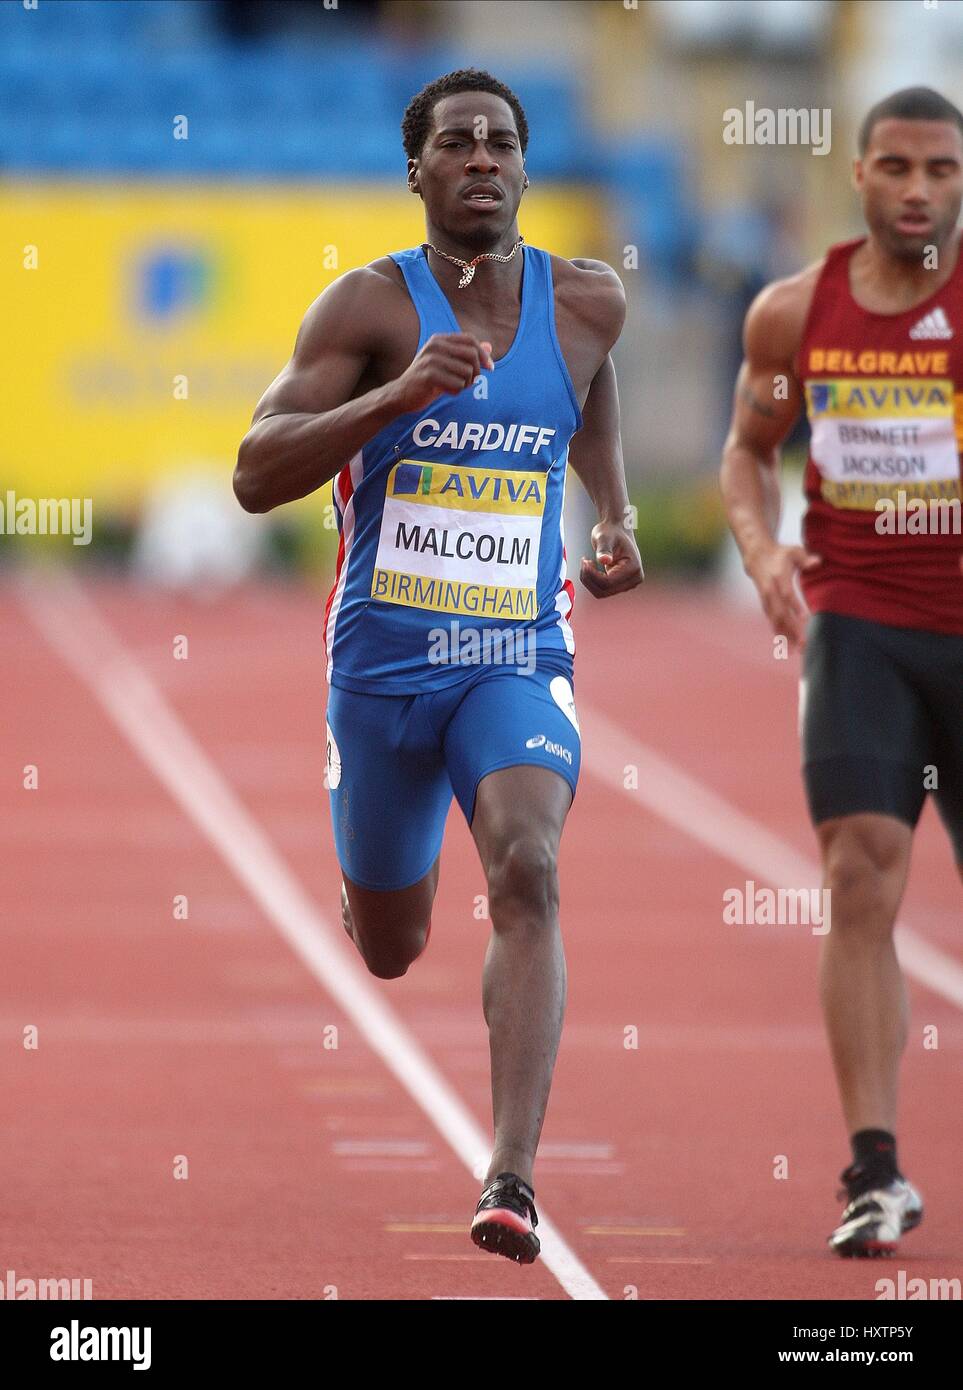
(556, 749)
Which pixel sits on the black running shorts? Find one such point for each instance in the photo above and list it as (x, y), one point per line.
(881, 721)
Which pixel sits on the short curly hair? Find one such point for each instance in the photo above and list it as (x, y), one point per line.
(910, 104)
(416, 122)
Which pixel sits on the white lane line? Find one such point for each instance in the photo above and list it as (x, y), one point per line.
(380, 1148)
(77, 632)
(696, 810)
(564, 1148)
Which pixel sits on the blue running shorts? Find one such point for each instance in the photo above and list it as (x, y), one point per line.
(394, 761)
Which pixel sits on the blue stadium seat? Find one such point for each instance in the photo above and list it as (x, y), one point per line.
(648, 180)
(102, 80)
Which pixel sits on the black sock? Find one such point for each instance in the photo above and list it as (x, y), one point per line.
(874, 1151)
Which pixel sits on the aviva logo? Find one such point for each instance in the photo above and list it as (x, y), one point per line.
(410, 478)
(468, 489)
(863, 398)
(457, 539)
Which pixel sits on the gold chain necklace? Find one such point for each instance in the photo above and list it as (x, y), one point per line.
(468, 267)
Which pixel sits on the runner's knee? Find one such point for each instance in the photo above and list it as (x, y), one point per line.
(865, 863)
(388, 956)
(391, 929)
(523, 881)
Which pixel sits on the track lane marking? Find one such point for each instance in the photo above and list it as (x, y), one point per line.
(700, 813)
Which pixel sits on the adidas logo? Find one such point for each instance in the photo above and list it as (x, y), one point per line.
(933, 325)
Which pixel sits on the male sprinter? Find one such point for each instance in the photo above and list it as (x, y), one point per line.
(439, 387)
(871, 338)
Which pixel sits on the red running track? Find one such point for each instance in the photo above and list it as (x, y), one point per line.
(311, 1171)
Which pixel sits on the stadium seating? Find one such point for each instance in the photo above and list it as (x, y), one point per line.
(92, 88)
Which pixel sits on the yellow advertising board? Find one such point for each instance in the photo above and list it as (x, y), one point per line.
(143, 322)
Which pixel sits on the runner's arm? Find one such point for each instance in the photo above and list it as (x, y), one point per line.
(766, 404)
(595, 454)
(768, 398)
(306, 427)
